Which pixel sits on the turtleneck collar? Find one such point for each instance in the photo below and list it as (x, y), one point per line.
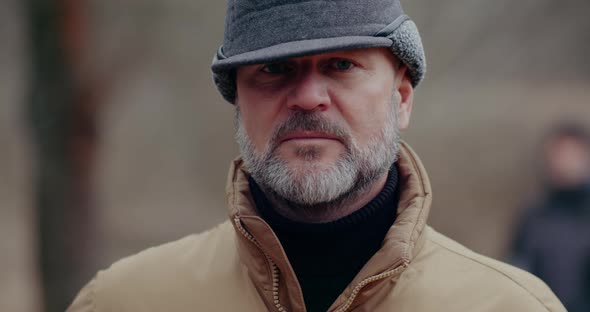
(280, 223)
(327, 256)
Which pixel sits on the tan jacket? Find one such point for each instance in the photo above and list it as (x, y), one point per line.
(241, 266)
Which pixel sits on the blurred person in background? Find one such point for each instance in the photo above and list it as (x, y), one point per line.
(553, 240)
(328, 207)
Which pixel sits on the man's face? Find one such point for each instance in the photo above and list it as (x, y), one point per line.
(313, 129)
(568, 161)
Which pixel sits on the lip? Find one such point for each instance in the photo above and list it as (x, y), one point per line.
(308, 135)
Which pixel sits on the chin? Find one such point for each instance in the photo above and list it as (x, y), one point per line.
(316, 155)
(310, 164)
(299, 167)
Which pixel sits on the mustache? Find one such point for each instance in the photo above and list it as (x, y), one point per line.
(310, 121)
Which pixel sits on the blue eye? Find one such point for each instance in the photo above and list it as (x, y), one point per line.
(275, 68)
(343, 65)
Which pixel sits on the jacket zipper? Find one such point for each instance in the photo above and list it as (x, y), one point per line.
(273, 266)
(275, 274)
(367, 281)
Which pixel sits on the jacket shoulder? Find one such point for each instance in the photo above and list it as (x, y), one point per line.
(478, 278)
(185, 272)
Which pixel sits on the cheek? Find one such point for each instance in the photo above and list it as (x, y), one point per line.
(259, 121)
(366, 112)
(256, 127)
(254, 118)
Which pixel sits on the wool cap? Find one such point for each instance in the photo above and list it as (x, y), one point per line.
(263, 31)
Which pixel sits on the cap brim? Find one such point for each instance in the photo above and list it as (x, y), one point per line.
(298, 49)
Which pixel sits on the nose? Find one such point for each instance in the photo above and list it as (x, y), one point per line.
(310, 93)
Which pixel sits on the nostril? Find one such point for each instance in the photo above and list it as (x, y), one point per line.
(322, 107)
(317, 106)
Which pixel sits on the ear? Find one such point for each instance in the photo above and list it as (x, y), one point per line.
(405, 91)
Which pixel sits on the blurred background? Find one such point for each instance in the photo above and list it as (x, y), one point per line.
(113, 138)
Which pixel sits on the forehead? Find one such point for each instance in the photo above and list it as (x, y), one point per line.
(365, 54)
(569, 140)
(567, 145)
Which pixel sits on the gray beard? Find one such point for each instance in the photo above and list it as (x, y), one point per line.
(313, 188)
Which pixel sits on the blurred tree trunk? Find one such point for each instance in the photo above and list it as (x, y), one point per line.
(62, 115)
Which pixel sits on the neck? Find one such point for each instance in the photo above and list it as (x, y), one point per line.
(327, 256)
(344, 205)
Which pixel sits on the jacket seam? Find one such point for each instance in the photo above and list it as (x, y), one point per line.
(234, 192)
(91, 299)
(423, 191)
(493, 269)
(237, 213)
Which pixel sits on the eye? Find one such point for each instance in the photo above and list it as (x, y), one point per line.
(340, 64)
(276, 68)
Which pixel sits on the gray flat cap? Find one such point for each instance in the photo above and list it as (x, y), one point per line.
(263, 31)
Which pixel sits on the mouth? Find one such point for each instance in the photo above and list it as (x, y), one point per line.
(308, 136)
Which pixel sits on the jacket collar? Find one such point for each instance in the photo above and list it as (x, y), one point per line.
(402, 242)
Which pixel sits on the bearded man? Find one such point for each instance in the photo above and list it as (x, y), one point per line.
(327, 206)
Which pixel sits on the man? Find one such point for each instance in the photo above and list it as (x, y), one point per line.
(553, 241)
(327, 206)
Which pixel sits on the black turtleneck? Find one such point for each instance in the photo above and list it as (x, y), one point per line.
(327, 256)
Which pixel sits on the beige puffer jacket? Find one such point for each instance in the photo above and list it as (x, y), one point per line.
(241, 266)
